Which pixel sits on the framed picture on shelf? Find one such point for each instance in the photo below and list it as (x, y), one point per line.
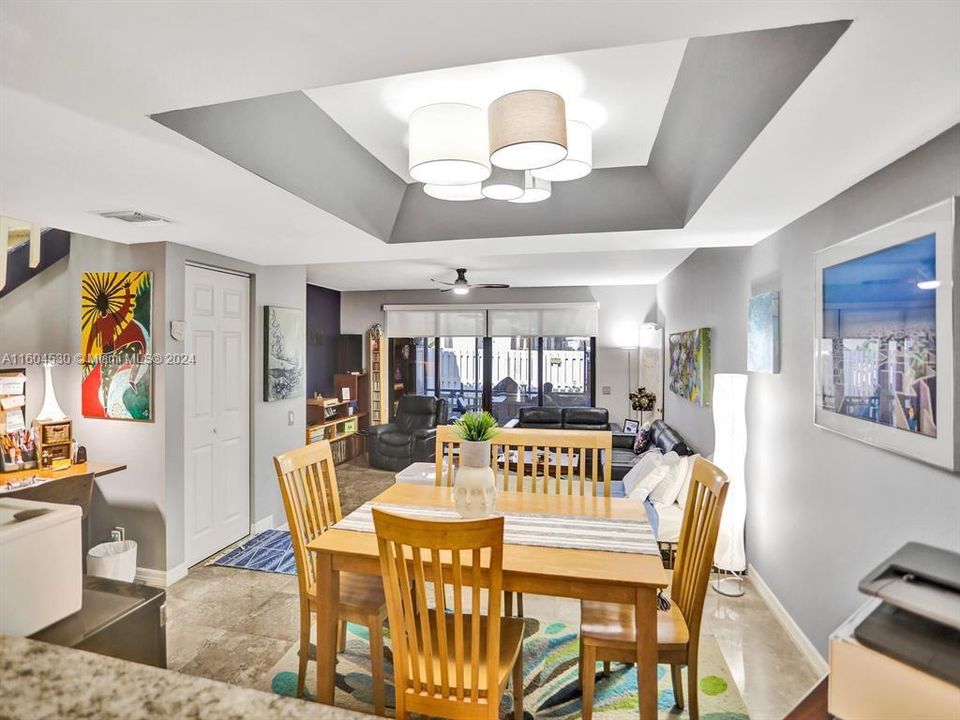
(886, 347)
(631, 426)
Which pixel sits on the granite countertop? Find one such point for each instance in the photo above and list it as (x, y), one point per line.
(39, 681)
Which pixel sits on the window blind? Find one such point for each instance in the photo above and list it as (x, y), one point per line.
(567, 319)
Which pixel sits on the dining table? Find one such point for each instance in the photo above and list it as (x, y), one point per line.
(581, 574)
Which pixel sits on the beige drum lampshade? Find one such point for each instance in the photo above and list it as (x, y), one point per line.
(448, 144)
(528, 130)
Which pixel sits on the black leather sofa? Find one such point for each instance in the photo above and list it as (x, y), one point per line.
(567, 418)
(411, 437)
(662, 436)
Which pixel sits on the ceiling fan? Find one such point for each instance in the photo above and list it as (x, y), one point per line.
(460, 286)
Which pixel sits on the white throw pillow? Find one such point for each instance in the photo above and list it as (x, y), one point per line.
(657, 469)
(685, 488)
(647, 462)
(666, 492)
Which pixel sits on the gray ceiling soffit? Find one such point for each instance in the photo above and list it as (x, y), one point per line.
(607, 200)
(727, 89)
(290, 142)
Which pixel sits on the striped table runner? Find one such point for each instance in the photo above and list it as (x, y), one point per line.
(558, 531)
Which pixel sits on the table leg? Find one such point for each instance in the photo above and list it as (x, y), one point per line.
(646, 609)
(328, 600)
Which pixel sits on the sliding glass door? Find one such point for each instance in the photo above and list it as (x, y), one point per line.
(498, 374)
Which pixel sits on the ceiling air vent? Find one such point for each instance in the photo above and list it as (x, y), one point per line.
(134, 216)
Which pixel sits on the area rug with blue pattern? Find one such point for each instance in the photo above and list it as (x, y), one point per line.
(268, 551)
(550, 652)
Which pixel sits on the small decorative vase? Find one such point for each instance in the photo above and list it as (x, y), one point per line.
(475, 489)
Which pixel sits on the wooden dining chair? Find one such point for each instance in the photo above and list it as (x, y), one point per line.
(448, 662)
(608, 630)
(311, 500)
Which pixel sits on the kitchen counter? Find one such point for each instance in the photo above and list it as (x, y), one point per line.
(39, 681)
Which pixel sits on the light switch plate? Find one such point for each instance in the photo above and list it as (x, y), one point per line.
(290, 418)
(605, 390)
(177, 329)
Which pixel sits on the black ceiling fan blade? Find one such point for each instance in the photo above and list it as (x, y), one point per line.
(447, 290)
(490, 285)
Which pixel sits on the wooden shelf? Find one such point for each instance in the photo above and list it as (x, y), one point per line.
(335, 421)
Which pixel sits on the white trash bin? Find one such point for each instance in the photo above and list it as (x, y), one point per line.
(114, 560)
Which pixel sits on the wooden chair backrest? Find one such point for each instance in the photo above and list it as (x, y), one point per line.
(459, 554)
(311, 500)
(698, 539)
(584, 466)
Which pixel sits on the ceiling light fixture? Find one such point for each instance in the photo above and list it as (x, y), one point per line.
(503, 184)
(579, 160)
(527, 130)
(456, 193)
(449, 144)
(534, 190)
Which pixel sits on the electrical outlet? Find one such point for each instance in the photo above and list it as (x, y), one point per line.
(605, 390)
(290, 418)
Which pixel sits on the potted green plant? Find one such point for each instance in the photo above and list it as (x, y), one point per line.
(474, 488)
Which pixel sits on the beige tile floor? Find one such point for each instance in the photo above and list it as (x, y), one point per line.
(240, 626)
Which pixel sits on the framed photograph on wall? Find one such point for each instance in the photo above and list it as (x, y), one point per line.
(886, 346)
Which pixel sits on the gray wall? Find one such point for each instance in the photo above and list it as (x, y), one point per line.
(619, 305)
(148, 498)
(822, 509)
(43, 316)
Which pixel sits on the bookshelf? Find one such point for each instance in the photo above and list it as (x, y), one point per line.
(340, 421)
(379, 403)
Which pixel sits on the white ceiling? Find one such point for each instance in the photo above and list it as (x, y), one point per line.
(637, 267)
(619, 92)
(78, 81)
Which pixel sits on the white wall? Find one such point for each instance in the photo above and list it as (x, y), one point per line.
(621, 306)
(822, 509)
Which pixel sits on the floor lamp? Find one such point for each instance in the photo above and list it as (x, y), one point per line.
(729, 454)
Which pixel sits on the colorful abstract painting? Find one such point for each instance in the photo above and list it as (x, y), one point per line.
(284, 344)
(690, 365)
(115, 345)
(763, 333)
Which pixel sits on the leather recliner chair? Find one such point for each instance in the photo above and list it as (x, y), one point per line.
(411, 437)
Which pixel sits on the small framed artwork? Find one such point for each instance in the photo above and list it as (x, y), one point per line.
(631, 426)
(886, 340)
(763, 333)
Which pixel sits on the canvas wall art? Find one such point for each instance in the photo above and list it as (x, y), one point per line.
(115, 345)
(763, 333)
(886, 362)
(690, 365)
(284, 343)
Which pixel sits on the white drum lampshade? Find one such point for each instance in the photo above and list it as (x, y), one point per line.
(449, 145)
(534, 190)
(528, 130)
(503, 184)
(730, 451)
(579, 160)
(456, 193)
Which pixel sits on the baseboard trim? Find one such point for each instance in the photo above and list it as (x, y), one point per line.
(159, 578)
(810, 653)
(285, 527)
(260, 525)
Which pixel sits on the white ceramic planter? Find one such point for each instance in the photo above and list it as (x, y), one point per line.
(475, 489)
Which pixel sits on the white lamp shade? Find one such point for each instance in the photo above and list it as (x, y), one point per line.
(579, 160)
(534, 190)
(528, 130)
(449, 145)
(456, 193)
(503, 184)
(730, 452)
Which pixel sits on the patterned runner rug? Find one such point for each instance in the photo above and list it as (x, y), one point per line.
(550, 652)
